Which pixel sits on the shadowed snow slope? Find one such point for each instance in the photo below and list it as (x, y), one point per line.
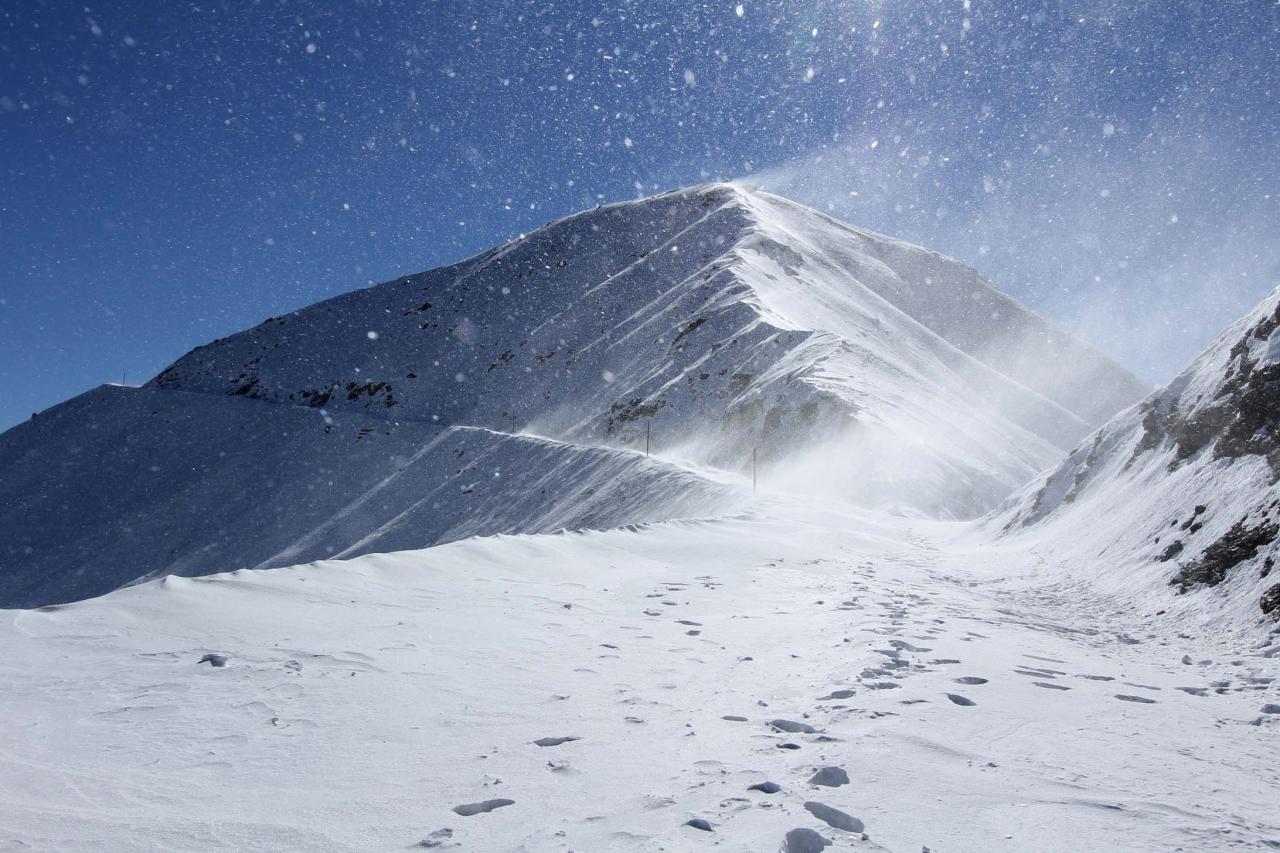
(162, 482)
(1178, 494)
(720, 319)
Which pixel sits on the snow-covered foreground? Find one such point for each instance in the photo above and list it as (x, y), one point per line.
(362, 701)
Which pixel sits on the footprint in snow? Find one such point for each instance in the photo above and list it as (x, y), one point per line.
(831, 777)
(804, 840)
(1124, 697)
(1049, 686)
(792, 727)
(439, 838)
(961, 700)
(469, 809)
(970, 679)
(699, 823)
(214, 660)
(837, 694)
(734, 718)
(765, 787)
(556, 741)
(834, 818)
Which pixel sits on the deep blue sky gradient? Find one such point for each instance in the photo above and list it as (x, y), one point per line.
(171, 173)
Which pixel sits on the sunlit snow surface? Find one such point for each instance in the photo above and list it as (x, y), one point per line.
(362, 701)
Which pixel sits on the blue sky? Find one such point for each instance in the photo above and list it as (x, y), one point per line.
(171, 173)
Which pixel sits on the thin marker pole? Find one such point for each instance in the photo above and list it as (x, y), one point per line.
(646, 437)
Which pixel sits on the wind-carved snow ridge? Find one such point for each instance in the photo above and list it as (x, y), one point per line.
(1177, 500)
(715, 320)
(719, 326)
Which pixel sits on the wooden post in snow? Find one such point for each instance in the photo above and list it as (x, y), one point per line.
(646, 436)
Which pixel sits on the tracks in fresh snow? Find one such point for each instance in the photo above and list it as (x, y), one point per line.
(740, 684)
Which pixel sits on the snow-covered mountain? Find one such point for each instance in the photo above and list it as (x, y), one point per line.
(721, 318)
(694, 665)
(718, 323)
(1177, 500)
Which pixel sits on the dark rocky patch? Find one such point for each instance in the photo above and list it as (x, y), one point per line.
(1242, 542)
(1270, 601)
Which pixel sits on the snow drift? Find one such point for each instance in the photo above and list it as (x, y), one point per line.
(124, 484)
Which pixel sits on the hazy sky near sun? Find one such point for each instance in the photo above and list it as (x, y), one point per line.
(171, 173)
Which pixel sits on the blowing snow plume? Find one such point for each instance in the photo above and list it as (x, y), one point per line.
(716, 323)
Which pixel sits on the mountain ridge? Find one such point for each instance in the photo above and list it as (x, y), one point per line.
(721, 326)
(1180, 493)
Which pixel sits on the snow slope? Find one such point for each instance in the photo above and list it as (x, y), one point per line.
(721, 321)
(724, 319)
(1175, 502)
(125, 483)
(362, 702)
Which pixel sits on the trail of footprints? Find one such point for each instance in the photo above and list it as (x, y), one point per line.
(897, 611)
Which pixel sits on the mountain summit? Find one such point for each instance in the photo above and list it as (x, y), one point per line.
(715, 324)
